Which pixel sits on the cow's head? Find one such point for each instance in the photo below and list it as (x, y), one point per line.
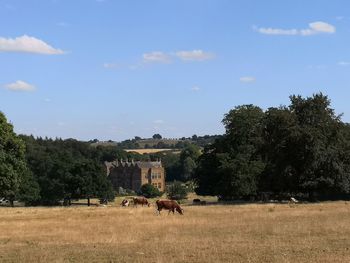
(180, 210)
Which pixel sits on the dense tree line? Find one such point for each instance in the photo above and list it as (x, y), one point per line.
(157, 142)
(47, 171)
(70, 169)
(302, 149)
(179, 166)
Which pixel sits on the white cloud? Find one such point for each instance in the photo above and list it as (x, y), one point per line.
(277, 31)
(195, 88)
(343, 63)
(315, 28)
(247, 79)
(194, 55)
(62, 24)
(27, 44)
(20, 85)
(320, 66)
(158, 122)
(111, 65)
(156, 57)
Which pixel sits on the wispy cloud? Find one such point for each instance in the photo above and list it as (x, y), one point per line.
(314, 28)
(62, 24)
(343, 63)
(20, 85)
(27, 44)
(161, 57)
(247, 79)
(158, 122)
(195, 88)
(320, 66)
(194, 55)
(156, 57)
(111, 65)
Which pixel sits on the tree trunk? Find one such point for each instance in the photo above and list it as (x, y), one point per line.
(88, 201)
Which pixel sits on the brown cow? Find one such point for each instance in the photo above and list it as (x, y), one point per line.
(141, 200)
(170, 205)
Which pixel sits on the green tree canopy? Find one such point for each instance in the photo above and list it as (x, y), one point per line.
(15, 179)
(302, 149)
(176, 191)
(157, 136)
(149, 191)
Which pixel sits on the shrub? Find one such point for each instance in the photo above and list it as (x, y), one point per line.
(149, 191)
(177, 191)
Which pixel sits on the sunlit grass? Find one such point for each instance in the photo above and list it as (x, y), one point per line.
(220, 233)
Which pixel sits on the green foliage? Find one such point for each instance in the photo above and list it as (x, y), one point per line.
(29, 190)
(69, 169)
(13, 170)
(157, 136)
(149, 191)
(177, 191)
(232, 166)
(181, 166)
(188, 161)
(300, 149)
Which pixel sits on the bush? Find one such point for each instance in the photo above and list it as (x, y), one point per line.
(177, 191)
(149, 191)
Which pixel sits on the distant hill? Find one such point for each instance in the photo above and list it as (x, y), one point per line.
(164, 143)
(143, 151)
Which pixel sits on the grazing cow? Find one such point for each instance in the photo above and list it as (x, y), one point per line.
(141, 200)
(125, 202)
(196, 201)
(293, 200)
(170, 205)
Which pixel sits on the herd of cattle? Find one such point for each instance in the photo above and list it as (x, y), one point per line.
(170, 205)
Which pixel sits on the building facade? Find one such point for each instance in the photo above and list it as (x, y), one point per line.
(132, 175)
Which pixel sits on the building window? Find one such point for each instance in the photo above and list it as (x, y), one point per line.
(159, 185)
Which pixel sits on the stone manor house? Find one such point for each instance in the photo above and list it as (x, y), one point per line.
(132, 175)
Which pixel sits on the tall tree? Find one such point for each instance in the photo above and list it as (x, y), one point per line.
(234, 164)
(13, 170)
(157, 136)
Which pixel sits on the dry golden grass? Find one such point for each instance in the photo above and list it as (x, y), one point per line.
(142, 151)
(222, 233)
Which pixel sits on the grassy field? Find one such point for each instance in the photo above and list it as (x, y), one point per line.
(142, 151)
(218, 233)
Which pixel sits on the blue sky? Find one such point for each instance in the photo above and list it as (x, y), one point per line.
(111, 69)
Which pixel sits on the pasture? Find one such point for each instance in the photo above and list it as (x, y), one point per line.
(219, 233)
(145, 151)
